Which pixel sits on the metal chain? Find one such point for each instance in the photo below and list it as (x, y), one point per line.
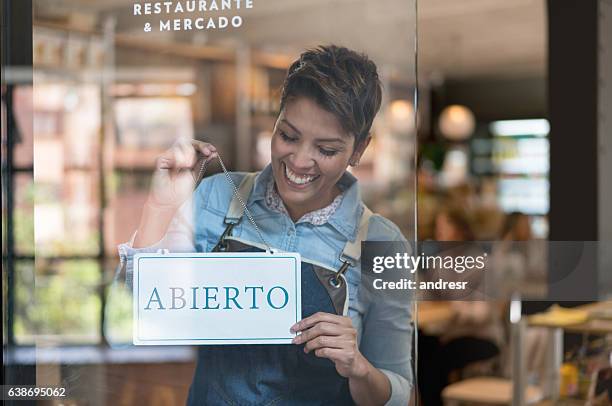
(236, 194)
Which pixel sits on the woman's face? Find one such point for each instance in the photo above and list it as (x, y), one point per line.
(310, 152)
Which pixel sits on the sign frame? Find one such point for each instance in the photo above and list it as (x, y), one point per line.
(137, 334)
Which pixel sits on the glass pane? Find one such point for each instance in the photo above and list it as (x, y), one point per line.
(118, 308)
(23, 151)
(23, 214)
(114, 86)
(129, 190)
(57, 302)
(66, 167)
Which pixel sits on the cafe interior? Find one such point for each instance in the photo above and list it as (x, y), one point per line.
(494, 126)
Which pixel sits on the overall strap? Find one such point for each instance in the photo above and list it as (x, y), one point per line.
(352, 249)
(236, 209)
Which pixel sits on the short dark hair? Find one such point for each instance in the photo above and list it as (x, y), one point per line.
(341, 81)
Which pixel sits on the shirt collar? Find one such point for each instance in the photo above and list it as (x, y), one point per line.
(261, 182)
(347, 216)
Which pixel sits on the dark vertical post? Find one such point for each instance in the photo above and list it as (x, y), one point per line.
(572, 98)
(16, 54)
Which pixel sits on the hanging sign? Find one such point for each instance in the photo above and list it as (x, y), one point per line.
(216, 298)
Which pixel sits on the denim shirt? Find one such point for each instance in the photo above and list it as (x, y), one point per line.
(383, 328)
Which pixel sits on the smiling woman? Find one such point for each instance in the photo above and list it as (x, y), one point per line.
(310, 152)
(304, 201)
(317, 134)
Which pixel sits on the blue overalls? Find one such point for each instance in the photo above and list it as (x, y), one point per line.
(276, 374)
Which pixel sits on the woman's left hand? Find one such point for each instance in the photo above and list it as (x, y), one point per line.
(334, 337)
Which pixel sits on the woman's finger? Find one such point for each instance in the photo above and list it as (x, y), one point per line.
(209, 151)
(341, 342)
(333, 354)
(212, 156)
(317, 318)
(164, 163)
(178, 157)
(165, 160)
(187, 154)
(322, 329)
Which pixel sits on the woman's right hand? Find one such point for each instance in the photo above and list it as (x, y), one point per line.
(176, 173)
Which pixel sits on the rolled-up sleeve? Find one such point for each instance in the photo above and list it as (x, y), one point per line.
(400, 388)
(388, 332)
(178, 238)
(386, 342)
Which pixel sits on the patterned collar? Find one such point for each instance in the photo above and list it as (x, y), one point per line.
(317, 217)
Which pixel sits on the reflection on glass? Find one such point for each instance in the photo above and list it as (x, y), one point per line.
(118, 315)
(23, 214)
(57, 302)
(152, 122)
(66, 123)
(22, 97)
(129, 190)
(108, 97)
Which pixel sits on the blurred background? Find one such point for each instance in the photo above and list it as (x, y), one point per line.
(512, 144)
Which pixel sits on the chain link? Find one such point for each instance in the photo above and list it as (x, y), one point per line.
(236, 194)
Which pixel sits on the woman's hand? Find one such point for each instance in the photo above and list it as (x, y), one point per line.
(173, 182)
(333, 337)
(176, 172)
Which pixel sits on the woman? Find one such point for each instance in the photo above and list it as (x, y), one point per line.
(350, 349)
(473, 332)
(519, 259)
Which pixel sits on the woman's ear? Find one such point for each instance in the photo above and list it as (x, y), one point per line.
(359, 150)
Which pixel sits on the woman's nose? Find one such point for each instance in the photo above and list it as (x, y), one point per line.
(302, 158)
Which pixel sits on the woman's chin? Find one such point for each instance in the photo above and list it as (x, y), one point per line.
(293, 197)
(298, 199)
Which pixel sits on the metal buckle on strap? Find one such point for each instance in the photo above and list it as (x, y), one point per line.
(336, 280)
(222, 244)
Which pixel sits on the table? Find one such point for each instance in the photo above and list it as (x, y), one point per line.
(597, 321)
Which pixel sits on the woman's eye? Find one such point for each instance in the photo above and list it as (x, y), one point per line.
(287, 138)
(328, 152)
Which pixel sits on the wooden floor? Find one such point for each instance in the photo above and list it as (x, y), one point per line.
(154, 384)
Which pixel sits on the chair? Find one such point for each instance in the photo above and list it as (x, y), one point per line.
(487, 391)
(495, 390)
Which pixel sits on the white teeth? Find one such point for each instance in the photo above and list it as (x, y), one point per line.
(295, 178)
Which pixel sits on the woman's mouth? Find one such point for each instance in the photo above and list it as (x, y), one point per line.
(297, 179)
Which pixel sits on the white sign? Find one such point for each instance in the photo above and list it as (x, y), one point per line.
(216, 298)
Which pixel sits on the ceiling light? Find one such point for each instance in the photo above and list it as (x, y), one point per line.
(402, 116)
(457, 122)
(509, 128)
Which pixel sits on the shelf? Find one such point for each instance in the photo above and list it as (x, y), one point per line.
(136, 158)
